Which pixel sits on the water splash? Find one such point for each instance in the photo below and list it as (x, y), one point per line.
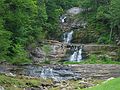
(47, 73)
(76, 56)
(73, 57)
(79, 58)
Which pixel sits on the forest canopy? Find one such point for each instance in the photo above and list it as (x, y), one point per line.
(23, 22)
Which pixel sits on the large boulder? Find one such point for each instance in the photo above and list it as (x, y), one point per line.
(74, 10)
(49, 51)
(38, 52)
(38, 55)
(57, 51)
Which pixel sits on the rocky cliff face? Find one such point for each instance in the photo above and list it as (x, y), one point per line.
(71, 20)
(58, 51)
(51, 51)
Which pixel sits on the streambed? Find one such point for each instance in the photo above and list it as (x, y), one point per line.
(65, 72)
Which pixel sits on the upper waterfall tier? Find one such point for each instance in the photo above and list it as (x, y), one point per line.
(68, 37)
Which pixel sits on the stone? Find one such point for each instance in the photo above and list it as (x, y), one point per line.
(10, 74)
(37, 52)
(84, 84)
(63, 89)
(37, 55)
(56, 51)
(118, 43)
(74, 10)
(113, 53)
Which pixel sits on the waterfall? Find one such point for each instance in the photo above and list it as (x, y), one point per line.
(73, 57)
(76, 56)
(79, 58)
(62, 18)
(43, 74)
(68, 37)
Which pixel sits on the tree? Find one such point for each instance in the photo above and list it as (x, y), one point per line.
(4, 41)
(114, 15)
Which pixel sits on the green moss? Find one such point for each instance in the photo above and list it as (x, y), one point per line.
(46, 48)
(19, 82)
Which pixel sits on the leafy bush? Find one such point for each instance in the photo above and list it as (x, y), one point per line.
(103, 40)
(20, 56)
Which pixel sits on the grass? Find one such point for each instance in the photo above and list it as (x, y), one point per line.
(20, 82)
(93, 59)
(46, 48)
(109, 85)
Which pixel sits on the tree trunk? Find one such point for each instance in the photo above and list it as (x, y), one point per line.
(110, 34)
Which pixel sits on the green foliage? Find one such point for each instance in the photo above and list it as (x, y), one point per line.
(105, 13)
(86, 36)
(46, 48)
(23, 22)
(114, 13)
(19, 27)
(86, 3)
(104, 40)
(20, 82)
(4, 41)
(46, 62)
(20, 56)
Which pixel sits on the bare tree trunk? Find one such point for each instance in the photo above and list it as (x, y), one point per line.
(110, 34)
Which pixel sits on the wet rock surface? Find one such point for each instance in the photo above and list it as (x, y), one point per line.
(64, 77)
(66, 72)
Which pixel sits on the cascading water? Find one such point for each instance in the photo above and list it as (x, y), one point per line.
(76, 56)
(79, 58)
(47, 73)
(73, 57)
(68, 37)
(62, 18)
(43, 74)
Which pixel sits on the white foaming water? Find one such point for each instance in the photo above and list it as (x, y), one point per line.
(73, 56)
(68, 37)
(76, 56)
(63, 19)
(43, 73)
(79, 58)
(47, 73)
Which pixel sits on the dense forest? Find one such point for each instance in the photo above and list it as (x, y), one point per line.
(25, 22)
